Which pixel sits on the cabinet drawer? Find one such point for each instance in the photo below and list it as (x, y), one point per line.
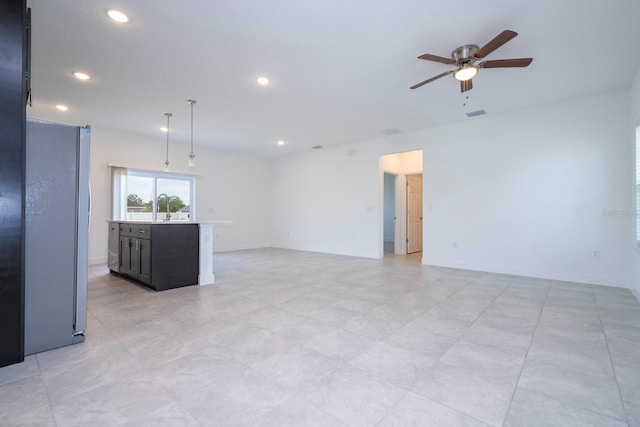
(144, 231)
(129, 230)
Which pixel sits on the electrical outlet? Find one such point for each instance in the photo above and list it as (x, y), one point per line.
(596, 254)
(455, 245)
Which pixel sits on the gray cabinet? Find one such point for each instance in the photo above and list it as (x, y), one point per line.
(128, 249)
(143, 255)
(113, 256)
(135, 251)
(161, 256)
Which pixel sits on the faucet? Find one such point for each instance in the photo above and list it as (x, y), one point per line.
(168, 215)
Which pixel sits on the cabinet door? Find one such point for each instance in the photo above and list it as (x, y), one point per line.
(135, 257)
(145, 260)
(114, 247)
(125, 254)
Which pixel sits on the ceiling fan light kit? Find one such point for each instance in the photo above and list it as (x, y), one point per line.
(465, 72)
(465, 58)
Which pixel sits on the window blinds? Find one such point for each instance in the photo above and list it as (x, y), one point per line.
(118, 193)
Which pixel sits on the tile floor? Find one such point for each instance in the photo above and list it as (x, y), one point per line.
(289, 338)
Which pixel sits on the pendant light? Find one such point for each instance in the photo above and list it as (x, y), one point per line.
(192, 155)
(166, 161)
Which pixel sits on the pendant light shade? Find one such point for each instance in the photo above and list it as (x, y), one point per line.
(192, 155)
(166, 161)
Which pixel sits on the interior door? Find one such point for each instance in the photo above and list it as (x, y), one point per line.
(414, 213)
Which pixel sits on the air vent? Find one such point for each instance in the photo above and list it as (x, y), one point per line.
(392, 131)
(316, 147)
(476, 113)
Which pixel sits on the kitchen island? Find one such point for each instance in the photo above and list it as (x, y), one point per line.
(162, 255)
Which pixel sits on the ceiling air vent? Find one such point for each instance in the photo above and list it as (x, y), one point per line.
(316, 147)
(476, 113)
(392, 131)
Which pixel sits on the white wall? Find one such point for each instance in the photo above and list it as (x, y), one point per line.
(635, 119)
(520, 193)
(524, 193)
(328, 201)
(229, 187)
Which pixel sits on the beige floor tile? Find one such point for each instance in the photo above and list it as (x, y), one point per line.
(290, 338)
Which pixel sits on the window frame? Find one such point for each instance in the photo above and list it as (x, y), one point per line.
(163, 175)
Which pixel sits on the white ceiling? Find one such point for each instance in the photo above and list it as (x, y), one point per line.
(340, 69)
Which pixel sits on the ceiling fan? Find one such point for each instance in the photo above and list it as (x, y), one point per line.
(465, 58)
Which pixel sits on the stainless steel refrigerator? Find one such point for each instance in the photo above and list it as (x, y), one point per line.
(57, 215)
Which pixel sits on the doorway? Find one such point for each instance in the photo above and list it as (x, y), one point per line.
(389, 234)
(402, 200)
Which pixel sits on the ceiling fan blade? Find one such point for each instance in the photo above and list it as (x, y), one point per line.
(505, 63)
(430, 80)
(497, 41)
(466, 85)
(436, 58)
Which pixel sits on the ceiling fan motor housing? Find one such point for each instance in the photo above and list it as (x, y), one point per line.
(464, 54)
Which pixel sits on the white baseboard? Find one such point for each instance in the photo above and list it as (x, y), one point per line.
(325, 250)
(230, 248)
(98, 260)
(592, 279)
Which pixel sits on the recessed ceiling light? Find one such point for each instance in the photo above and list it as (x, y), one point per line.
(117, 16)
(62, 107)
(280, 142)
(391, 131)
(262, 81)
(164, 129)
(81, 76)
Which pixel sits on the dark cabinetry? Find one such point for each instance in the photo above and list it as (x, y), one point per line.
(135, 251)
(161, 256)
(113, 259)
(144, 253)
(13, 61)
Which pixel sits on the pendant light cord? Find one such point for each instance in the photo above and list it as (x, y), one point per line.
(166, 162)
(191, 101)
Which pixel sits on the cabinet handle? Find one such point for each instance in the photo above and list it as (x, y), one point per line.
(137, 245)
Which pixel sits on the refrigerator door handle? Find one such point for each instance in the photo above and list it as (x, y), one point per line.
(89, 209)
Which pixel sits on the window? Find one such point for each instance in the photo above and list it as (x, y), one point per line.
(638, 184)
(152, 196)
